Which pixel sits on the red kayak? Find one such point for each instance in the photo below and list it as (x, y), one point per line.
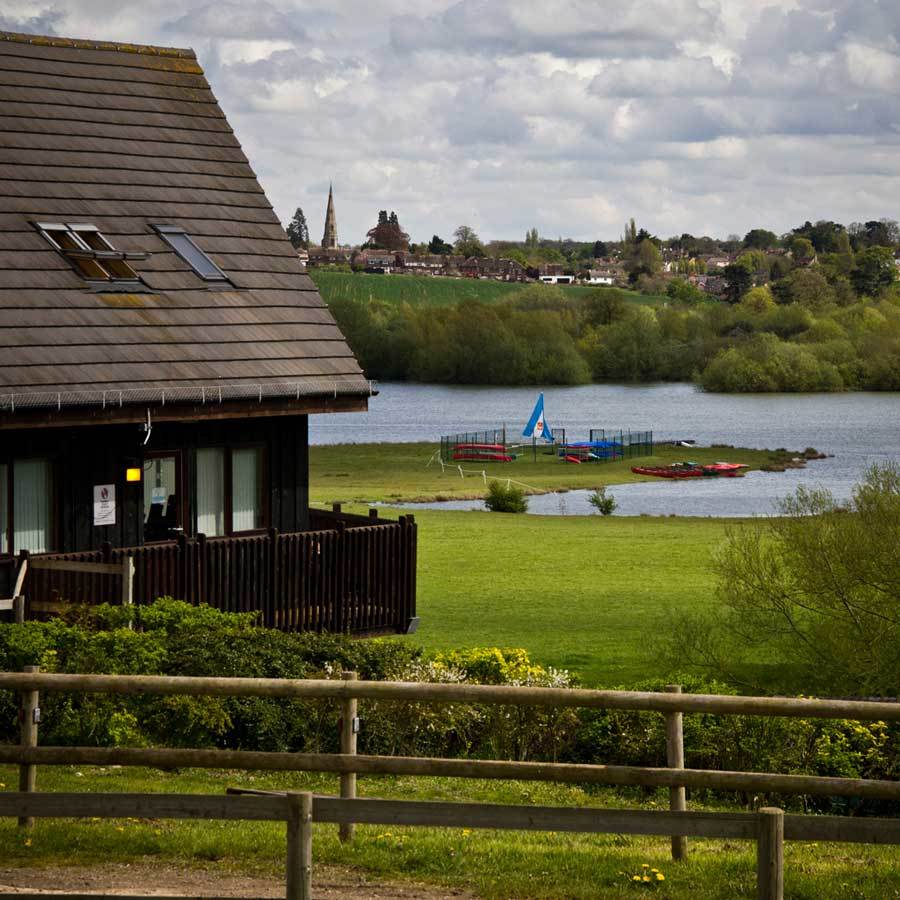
(498, 448)
(678, 470)
(692, 470)
(490, 457)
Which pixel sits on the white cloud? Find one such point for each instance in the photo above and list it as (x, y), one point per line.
(568, 115)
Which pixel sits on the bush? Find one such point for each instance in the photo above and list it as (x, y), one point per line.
(604, 503)
(508, 498)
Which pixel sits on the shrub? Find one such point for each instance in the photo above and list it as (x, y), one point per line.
(604, 503)
(508, 498)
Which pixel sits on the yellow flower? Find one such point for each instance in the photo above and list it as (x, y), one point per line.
(660, 876)
(27, 842)
(120, 828)
(2, 785)
(635, 877)
(654, 870)
(645, 865)
(646, 878)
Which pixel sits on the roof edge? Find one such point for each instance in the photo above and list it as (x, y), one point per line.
(43, 40)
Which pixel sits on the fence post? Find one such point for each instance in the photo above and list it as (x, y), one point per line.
(299, 846)
(127, 581)
(770, 854)
(29, 716)
(675, 760)
(349, 730)
(19, 609)
(373, 513)
(336, 507)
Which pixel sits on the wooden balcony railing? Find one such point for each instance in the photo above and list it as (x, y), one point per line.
(352, 574)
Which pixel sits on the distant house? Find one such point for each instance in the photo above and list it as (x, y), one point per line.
(381, 262)
(324, 256)
(161, 350)
(601, 276)
(556, 279)
(489, 267)
(424, 263)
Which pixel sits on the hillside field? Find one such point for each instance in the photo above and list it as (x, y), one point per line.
(425, 290)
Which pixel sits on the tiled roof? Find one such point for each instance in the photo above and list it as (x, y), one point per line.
(125, 137)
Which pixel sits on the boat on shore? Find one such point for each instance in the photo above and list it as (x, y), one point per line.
(692, 470)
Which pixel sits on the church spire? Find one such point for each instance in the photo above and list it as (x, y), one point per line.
(329, 239)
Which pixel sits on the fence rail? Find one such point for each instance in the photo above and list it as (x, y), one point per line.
(354, 574)
(768, 827)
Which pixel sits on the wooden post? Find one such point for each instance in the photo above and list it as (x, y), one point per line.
(770, 854)
(675, 760)
(29, 715)
(127, 581)
(19, 609)
(336, 507)
(299, 846)
(349, 727)
(373, 512)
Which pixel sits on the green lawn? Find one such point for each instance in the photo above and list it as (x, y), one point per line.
(422, 290)
(493, 864)
(367, 473)
(594, 595)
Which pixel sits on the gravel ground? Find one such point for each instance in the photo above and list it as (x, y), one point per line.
(144, 880)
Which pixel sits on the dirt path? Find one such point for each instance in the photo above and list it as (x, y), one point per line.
(139, 879)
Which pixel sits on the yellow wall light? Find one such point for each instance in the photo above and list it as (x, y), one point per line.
(132, 474)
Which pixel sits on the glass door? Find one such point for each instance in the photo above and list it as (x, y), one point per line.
(162, 496)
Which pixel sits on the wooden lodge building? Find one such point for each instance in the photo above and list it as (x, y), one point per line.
(160, 351)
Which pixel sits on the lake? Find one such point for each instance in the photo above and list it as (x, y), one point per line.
(857, 429)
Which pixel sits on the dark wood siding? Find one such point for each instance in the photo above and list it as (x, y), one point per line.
(84, 457)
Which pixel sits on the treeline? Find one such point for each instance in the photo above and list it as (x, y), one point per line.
(800, 336)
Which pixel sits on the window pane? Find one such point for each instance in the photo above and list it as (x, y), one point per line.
(192, 255)
(211, 491)
(161, 506)
(246, 489)
(31, 505)
(4, 509)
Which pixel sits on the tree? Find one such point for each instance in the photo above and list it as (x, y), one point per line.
(805, 286)
(758, 300)
(644, 259)
(297, 230)
(532, 240)
(802, 249)
(387, 234)
(824, 235)
(438, 245)
(875, 271)
(600, 250)
(467, 242)
(738, 280)
(816, 587)
(875, 233)
(760, 239)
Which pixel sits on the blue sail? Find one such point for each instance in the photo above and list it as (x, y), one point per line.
(537, 426)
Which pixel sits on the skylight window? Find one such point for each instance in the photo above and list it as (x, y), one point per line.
(182, 244)
(92, 255)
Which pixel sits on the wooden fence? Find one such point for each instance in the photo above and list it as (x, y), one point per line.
(769, 827)
(353, 574)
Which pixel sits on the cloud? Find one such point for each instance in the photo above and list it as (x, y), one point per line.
(570, 115)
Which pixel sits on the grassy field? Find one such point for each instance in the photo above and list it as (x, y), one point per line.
(424, 290)
(369, 473)
(591, 594)
(493, 864)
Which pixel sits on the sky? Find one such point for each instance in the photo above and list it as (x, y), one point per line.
(569, 116)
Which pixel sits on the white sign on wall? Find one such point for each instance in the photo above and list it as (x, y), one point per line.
(104, 504)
